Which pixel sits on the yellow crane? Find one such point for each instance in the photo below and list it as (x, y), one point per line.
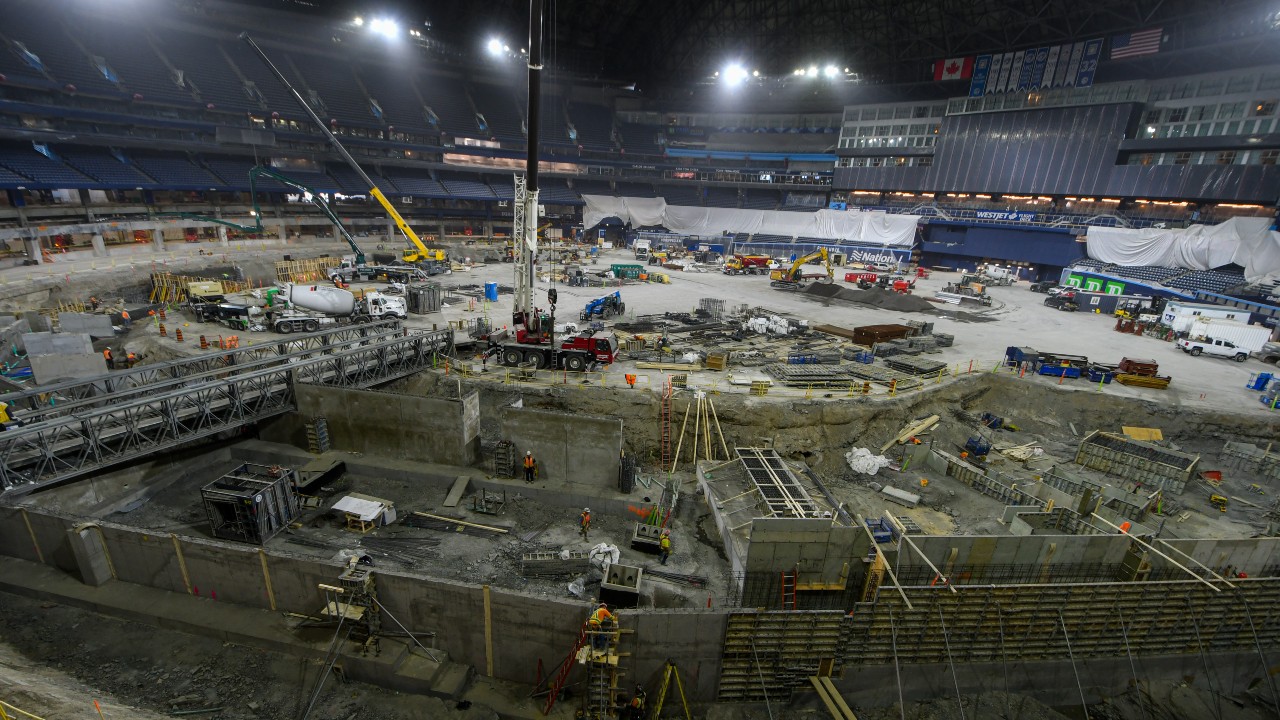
(793, 277)
(419, 252)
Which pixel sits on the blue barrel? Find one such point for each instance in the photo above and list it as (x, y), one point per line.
(491, 291)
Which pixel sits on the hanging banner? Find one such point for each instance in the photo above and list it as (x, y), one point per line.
(978, 84)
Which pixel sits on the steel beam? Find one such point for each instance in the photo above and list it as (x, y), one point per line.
(67, 445)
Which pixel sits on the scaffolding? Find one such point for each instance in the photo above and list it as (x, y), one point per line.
(779, 488)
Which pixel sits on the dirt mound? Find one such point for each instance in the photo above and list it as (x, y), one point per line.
(874, 297)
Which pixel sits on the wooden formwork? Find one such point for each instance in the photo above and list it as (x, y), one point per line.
(305, 271)
(170, 288)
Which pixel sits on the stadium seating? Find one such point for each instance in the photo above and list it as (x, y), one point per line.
(103, 167)
(503, 186)
(592, 187)
(722, 197)
(398, 97)
(555, 127)
(204, 66)
(177, 173)
(554, 190)
(594, 124)
(636, 190)
(760, 199)
(58, 54)
(38, 169)
(499, 108)
(1147, 273)
(680, 195)
(447, 98)
(234, 172)
(763, 237)
(1215, 281)
(128, 53)
(418, 183)
(640, 139)
(465, 187)
(335, 84)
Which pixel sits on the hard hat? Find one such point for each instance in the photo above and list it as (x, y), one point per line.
(586, 509)
(528, 452)
(604, 606)
(666, 532)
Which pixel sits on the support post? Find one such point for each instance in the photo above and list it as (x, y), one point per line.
(157, 240)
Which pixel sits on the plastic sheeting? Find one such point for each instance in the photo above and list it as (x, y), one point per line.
(869, 228)
(1247, 242)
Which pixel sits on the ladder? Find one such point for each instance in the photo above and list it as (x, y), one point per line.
(788, 590)
(667, 392)
(603, 674)
(566, 667)
(667, 674)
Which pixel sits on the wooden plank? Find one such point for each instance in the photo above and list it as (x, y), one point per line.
(913, 429)
(846, 711)
(456, 521)
(826, 699)
(1142, 433)
(455, 492)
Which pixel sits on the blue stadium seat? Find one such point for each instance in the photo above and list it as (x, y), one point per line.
(498, 105)
(40, 170)
(104, 167)
(176, 173)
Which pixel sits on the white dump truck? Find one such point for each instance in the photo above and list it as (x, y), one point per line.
(307, 308)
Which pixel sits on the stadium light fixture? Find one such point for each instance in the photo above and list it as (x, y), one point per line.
(735, 74)
(384, 27)
(813, 71)
(358, 21)
(755, 73)
(831, 71)
(494, 46)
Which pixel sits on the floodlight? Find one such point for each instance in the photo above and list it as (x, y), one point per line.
(831, 71)
(813, 71)
(358, 21)
(755, 73)
(735, 74)
(384, 27)
(495, 46)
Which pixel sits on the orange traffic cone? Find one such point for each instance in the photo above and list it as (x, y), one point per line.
(204, 343)
(177, 334)
(163, 332)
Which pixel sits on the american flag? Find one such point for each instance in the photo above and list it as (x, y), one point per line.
(1146, 42)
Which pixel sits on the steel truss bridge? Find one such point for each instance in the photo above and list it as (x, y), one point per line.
(77, 427)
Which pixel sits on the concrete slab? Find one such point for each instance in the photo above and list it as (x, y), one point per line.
(95, 325)
(51, 368)
(42, 343)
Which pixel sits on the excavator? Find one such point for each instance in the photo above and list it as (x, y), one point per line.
(418, 253)
(793, 278)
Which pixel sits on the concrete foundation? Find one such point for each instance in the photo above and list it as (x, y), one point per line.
(92, 324)
(44, 343)
(402, 427)
(52, 368)
(582, 451)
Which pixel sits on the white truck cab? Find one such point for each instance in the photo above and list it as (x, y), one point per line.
(1209, 346)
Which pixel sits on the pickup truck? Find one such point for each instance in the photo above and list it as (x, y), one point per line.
(1270, 353)
(1221, 348)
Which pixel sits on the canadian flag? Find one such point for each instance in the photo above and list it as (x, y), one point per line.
(953, 68)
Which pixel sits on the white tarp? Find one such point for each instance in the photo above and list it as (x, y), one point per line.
(1247, 242)
(868, 228)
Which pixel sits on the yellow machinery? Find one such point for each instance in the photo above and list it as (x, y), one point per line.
(793, 277)
(417, 253)
(1218, 501)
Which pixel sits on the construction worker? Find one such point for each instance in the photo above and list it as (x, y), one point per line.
(6, 418)
(130, 359)
(665, 547)
(600, 622)
(584, 522)
(530, 466)
(128, 321)
(111, 361)
(635, 708)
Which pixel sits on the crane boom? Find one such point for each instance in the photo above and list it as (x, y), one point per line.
(423, 252)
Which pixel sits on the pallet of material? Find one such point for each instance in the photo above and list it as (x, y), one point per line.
(872, 334)
(916, 365)
(810, 375)
(668, 366)
(944, 339)
(834, 330)
(1158, 382)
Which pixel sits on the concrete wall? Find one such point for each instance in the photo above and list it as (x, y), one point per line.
(822, 552)
(403, 427)
(41, 343)
(93, 324)
(48, 369)
(525, 628)
(581, 451)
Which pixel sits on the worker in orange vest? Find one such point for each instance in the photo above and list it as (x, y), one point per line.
(128, 321)
(600, 622)
(530, 467)
(584, 522)
(111, 361)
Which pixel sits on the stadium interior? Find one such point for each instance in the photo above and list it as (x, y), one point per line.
(894, 506)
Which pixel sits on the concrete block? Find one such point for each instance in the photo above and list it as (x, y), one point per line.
(51, 368)
(43, 343)
(95, 325)
(91, 555)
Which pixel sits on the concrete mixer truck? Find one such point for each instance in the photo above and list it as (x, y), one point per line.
(307, 308)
